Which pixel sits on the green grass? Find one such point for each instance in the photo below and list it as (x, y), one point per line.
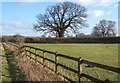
(5, 67)
(101, 53)
(5, 70)
(10, 70)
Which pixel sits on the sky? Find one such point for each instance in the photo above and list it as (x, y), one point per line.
(18, 16)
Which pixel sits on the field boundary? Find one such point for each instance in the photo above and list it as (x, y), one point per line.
(27, 51)
(106, 40)
(15, 73)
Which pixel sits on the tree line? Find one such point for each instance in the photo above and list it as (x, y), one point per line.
(18, 39)
(67, 18)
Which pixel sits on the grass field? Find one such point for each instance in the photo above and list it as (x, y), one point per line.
(101, 53)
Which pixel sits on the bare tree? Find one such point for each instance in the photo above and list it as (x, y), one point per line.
(80, 35)
(104, 28)
(61, 19)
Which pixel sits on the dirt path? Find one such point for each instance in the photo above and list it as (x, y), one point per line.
(0, 62)
(5, 74)
(10, 70)
(20, 68)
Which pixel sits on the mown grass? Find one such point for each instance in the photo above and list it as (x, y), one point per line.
(101, 53)
(5, 70)
(10, 70)
(5, 67)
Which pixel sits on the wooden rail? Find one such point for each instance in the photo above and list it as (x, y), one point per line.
(117, 70)
(55, 61)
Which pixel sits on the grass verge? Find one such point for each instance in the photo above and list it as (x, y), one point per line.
(10, 72)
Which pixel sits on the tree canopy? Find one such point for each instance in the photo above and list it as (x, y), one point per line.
(62, 19)
(105, 28)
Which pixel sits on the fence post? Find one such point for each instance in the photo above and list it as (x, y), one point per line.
(24, 51)
(11, 47)
(27, 52)
(43, 58)
(30, 53)
(56, 61)
(79, 68)
(35, 56)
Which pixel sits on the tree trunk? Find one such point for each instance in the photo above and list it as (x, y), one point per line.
(61, 34)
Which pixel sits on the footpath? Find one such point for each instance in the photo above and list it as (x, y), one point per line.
(20, 68)
(10, 70)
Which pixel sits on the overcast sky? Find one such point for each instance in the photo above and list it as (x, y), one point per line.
(18, 16)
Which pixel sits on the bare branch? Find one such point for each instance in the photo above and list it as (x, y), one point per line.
(104, 28)
(60, 17)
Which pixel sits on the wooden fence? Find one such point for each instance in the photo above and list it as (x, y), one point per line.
(28, 52)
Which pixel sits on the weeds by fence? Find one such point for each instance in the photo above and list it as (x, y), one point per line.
(29, 51)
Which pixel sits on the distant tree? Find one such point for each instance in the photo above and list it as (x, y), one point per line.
(105, 28)
(17, 35)
(19, 39)
(61, 18)
(80, 35)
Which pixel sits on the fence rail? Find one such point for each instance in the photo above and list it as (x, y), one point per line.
(117, 70)
(55, 61)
